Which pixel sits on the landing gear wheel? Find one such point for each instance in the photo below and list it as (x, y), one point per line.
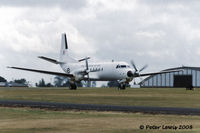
(121, 87)
(72, 86)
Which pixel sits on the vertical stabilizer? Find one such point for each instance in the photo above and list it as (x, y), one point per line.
(64, 51)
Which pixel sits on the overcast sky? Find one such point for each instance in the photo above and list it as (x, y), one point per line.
(160, 33)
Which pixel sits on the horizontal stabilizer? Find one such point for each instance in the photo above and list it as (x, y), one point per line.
(86, 58)
(45, 72)
(50, 60)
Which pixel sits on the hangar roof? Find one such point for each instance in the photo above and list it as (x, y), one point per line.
(184, 67)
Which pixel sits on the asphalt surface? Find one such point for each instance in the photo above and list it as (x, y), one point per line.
(95, 107)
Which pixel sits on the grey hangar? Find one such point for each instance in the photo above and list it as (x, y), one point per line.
(189, 77)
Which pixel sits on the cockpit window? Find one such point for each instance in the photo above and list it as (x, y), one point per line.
(122, 66)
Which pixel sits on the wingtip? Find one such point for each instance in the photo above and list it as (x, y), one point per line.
(40, 56)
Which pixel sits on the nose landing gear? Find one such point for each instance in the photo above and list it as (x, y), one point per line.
(122, 87)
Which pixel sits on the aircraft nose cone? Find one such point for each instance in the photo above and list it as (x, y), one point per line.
(129, 74)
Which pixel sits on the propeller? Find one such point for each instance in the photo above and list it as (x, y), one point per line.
(133, 64)
(144, 67)
(87, 71)
(137, 72)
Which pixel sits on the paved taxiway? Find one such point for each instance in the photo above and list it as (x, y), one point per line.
(69, 106)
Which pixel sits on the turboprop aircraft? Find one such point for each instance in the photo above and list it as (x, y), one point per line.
(78, 70)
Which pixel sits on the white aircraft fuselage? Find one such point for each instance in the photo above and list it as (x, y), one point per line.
(102, 71)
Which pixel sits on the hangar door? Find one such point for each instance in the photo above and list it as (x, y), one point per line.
(182, 80)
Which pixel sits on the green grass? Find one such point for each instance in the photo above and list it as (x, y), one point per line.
(164, 97)
(25, 120)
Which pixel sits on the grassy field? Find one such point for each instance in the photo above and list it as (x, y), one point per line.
(165, 97)
(25, 120)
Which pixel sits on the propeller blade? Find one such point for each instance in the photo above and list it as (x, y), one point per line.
(87, 68)
(134, 66)
(88, 80)
(88, 83)
(86, 63)
(144, 67)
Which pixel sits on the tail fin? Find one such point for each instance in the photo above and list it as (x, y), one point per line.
(64, 52)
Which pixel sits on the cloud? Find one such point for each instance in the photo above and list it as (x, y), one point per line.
(64, 4)
(160, 33)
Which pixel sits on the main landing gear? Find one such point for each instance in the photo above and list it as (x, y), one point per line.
(72, 86)
(122, 87)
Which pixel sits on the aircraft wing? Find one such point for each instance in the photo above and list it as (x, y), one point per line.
(161, 72)
(45, 72)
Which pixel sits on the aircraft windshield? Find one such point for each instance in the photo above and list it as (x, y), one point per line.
(122, 66)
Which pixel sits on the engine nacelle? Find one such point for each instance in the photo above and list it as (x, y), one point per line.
(78, 76)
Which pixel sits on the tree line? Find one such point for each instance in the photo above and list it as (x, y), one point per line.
(61, 82)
